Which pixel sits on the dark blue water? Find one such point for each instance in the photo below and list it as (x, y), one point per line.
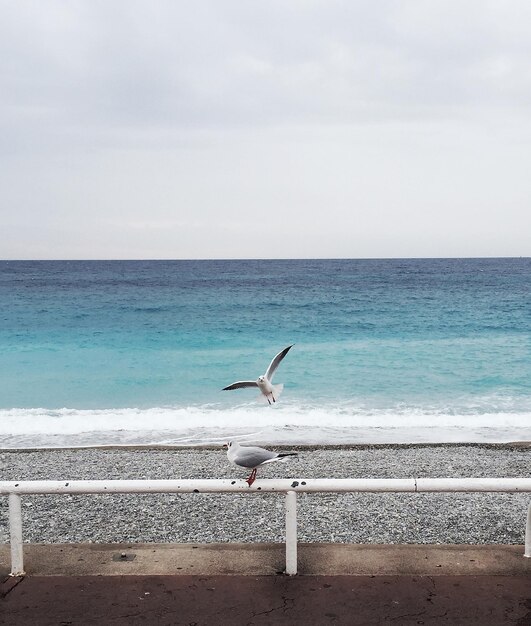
(119, 346)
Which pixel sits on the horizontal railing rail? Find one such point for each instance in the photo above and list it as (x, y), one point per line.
(290, 487)
(300, 485)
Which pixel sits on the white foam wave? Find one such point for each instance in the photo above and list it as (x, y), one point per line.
(287, 424)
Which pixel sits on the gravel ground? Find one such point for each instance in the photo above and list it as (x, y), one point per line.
(204, 518)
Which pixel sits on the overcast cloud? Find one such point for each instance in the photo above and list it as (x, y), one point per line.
(222, 129)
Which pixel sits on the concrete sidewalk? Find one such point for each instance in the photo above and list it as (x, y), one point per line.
(275, 600)
(218, 584)
(254, 559)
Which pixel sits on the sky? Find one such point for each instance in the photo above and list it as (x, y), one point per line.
(141, 129)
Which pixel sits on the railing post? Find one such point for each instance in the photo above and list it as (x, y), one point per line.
(291, 533)
(527, 551)
(15, 535)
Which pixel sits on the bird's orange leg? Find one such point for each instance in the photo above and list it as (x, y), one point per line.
(251, 478)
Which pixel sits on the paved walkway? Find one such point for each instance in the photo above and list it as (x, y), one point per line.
(233, 584)
(314, 559)
(261, 600)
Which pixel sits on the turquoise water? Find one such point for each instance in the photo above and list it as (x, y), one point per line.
(385, 350)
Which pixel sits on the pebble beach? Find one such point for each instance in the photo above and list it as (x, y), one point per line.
(210, 518)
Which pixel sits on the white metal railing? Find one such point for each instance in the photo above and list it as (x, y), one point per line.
(290, 487)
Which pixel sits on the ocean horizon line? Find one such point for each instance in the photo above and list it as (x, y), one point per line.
(309, 258)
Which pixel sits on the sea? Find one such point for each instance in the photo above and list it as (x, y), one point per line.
(99, 353)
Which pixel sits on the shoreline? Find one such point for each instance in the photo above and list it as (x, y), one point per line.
(298, 447)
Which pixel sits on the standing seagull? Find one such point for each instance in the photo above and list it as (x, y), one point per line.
(270, 391)
(252, 457)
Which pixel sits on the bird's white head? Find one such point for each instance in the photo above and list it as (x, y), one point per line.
(261, 379)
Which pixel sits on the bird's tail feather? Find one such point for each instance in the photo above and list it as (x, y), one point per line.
(277, 390)
(281, 456)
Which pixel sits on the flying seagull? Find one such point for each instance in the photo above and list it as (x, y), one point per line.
(270, 391)
(252, 457)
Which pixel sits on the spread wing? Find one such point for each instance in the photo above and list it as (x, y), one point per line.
(240, 385)
(276, 362)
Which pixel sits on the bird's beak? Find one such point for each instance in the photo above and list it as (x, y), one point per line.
(225, 446)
